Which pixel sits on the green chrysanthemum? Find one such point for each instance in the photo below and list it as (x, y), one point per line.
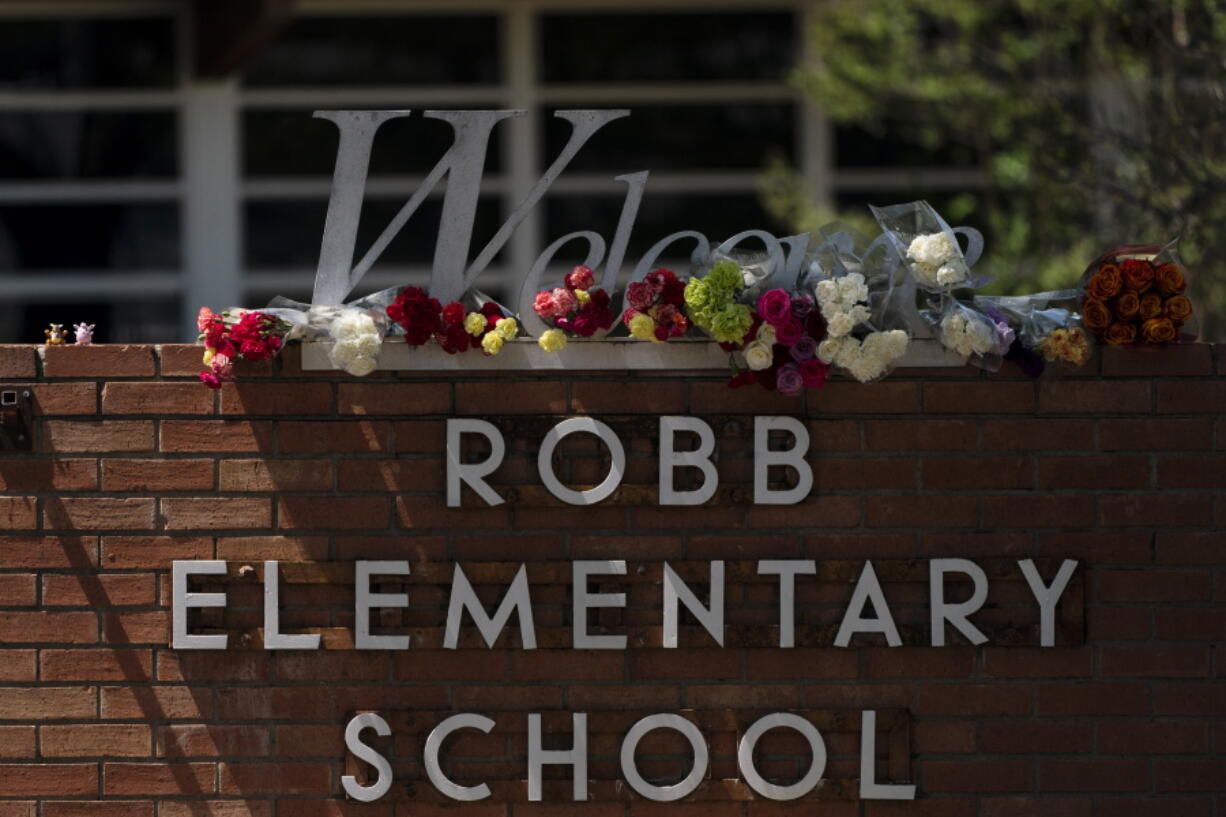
(729, 324)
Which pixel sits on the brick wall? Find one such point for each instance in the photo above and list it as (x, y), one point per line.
(136, 465)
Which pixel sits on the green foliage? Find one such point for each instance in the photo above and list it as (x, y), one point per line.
(1096, 122)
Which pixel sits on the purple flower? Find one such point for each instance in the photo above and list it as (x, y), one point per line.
(775, 307)
(805, 348)
(802, 305)
(788, 332)
(789, 379)
(1004, 337)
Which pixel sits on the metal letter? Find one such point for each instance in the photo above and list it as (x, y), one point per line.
(1047, 597)
(472, 473)
(664, 794)
(353, 742)
(181, 600)
(773, 791)
(434, 743)
(582, 600)
(463, 597)
(699, 458)
(365, 600)
(787, 570)
(867, 589)
(955, 614)
(675, 590)
(794, 457)
(870, 789)
(544, 461)
(576, 757)
(274, 639)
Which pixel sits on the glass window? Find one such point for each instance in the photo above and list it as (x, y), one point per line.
(667, 138)
(403, 50)
(288, 233)
(87, 145)
(295, 143)
(128, 321)
(640, 47)
(86, 53)
(89, 236)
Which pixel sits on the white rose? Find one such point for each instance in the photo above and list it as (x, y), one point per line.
(840, 324)
(766, 335)
(828, 349)
(758, 356)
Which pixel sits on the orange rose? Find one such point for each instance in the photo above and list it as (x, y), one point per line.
(1096, 315)
(1105, 283)
(1178, 309)
(1159, 330)
(1121, 334)
(1127, 306)
(1169, 280)
(1138, 274)
(1151, 305)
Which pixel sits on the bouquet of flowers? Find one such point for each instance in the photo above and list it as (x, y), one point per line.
(1135, 295)
(233, 335)
(453, 327)
(779, 348)
(712, 304)
(929, 247)
(976, 337)
(844, 304)
(656, 310)
(578, 307)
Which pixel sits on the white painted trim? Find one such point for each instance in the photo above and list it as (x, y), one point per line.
(617, 354)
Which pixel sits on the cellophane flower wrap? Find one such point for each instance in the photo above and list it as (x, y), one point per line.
(1040, 330)
(927, 246)
(656, 307)
(1136, 294)
(234, 335)
(853, 342)
(779, 347)
(357, 336)
(968, 332)
(712, 302)
(578, 308)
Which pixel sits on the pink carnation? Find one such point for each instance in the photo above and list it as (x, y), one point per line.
(580, 278)
(545, 305)
(640, 295)
(566, 301)
(203, 318)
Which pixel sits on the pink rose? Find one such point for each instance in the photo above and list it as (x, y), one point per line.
(580, 278)
(789, 331)
(775, 306)
(813, 373)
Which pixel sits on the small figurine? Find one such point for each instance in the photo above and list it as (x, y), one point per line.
(55, 335)
(85, 333)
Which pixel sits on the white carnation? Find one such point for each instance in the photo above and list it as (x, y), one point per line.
(848, 353)
(827, 294)
(357, 341)
(951, 274)
(852, 290)
(925, 274)
(932, 248)
(758, 356)
(839, 324)
(828, 349)
(859, 314)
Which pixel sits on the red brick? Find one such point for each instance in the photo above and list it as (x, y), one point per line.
(397, 399)
(537, 397)
(1129, 699)
(17, 742)
(920, 435)
(43, 626)
(221, 808)
(849, 546)
(98, 808)
(565, 665)
(1205, 473)
(1038, 511)
(333, 513)
(49, 551)
(710, 397)
(997, 397)
(1193, 699)
(824, 511)
(98, 360)
(18, 589)
(1052, 434)
(975, 545)
(281, 778)
(152, 551)
(1138, 805)
(1152, 738)
(1093, 775)
(1191, 396)
(800, 663)
(1102, 548)
(422, 513)
(1168, 361)
(1155, 662)
(1094, 397)
(214, 436)
(19, 513)
(864, 473)
(420, 436)
(927, 511)
(949, 776)
(1130, 586)
(1030, 806)
(597, 397)
(216, 513)
(971, 700)
(180, 359)
(1200, 774)
(1188, 624)
(944, 737)
(1114, 473)
(96, 665)
(156, 398)
(81, 436)
(287, 548)
(1036, 737)
(1038, 662)
(208, 666)
(275, 475)
(60, 474)
(98, 513)
(390, 475)
(277, 398)
(978, 473)
(274, 703)
(130, 627)
(44, 703)
(99, 590)
(703, 664)
(157, 475)
(1156, 434)
(183, 779)
(304, 437)
(52, 399)
(18, 808)
(886, 397)
(198, 740)
(951, 663)
(155, 703)
(96, 740)
(1154, 510)
(48, 779)
(18, 361)
(833, 435)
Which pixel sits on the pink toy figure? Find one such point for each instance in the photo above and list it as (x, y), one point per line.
(85, 333)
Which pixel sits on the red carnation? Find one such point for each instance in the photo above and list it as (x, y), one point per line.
(453, 313)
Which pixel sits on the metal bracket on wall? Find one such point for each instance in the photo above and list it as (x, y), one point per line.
(15, 425)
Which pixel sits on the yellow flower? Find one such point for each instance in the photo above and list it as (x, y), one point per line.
(507, 328)
(208, 356)
(492, 343)
(583, 296)
(643, 327)
(552, 340)
(474, 324)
